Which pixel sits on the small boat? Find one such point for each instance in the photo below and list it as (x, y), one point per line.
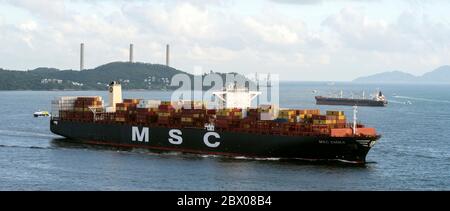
(41, 114)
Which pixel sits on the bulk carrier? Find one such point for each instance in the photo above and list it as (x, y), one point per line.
(233, 129)
(379, 100)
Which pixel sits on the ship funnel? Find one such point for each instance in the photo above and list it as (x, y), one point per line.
(131, 53)
(115, 96)
(81, 56)
(167, 55)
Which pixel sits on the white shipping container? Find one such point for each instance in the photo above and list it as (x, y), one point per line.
(267, 116)
(149, 104)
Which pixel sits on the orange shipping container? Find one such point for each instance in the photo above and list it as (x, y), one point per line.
(366, 131)
(343, 132)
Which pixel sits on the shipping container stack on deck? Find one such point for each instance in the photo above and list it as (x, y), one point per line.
(228, 118)
(63, 107)
(265, 119)
(147, 111)
(336, 119)
(193, 114)
(165, 113)
(84, 107)
(126, 111)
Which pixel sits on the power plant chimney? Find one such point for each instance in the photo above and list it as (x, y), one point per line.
(131, 53)
(167, 55)
(81, 56)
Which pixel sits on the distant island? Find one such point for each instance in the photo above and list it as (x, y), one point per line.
(440, 75)
(135, 76)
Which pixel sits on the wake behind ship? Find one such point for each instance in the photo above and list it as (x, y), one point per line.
(235, 129)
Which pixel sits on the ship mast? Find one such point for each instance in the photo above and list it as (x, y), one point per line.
(257, 88)
(355, 111)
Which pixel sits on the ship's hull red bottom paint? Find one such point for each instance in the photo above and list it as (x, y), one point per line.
(231, 143)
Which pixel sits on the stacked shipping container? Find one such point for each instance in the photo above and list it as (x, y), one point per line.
(195, 114)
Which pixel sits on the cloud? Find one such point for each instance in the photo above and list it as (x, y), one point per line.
(272, 33)
(410, 33)
(298, 1)
(199, 35)
(221, 36)
(425, 32)
(48, 9)
(356, 30)
(312, 2)
(29, 26)
(209, 54)
(183, 19)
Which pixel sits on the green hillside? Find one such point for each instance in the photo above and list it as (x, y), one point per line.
(132, 76)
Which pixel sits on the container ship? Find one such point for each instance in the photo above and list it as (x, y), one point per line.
(234, 128)
(378, 101)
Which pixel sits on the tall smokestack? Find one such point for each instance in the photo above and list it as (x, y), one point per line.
(131, 53)
(81, 56)
(167, 55)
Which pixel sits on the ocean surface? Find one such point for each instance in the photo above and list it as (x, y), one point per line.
(413, 154)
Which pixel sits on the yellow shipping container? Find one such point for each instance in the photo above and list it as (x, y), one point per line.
(164, 114)
(329, 122)
(313, 111)
(121, 108)
(335, 113)
(305, 116)
(287, 112)
(120, 119)
(223, 113)
(186, 119)
(320, 122)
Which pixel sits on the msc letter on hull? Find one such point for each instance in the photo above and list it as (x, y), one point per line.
(175, 137)
(208, 143)
(141, 136)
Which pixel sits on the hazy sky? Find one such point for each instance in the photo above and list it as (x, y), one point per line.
(299, 39)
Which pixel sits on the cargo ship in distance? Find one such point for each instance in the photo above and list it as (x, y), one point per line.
(234, 129)
(379, 100)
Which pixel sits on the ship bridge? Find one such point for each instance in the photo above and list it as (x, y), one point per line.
(233, 97)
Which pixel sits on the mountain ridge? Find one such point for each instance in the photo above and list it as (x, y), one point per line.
(440, 75)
